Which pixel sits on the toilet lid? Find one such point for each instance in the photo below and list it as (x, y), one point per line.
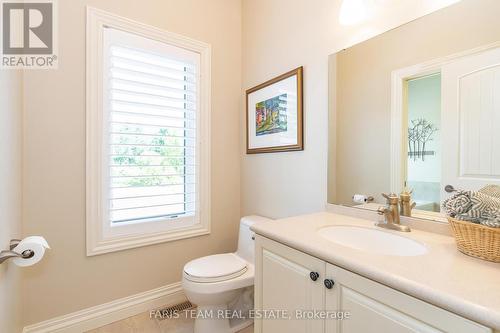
(219, 267)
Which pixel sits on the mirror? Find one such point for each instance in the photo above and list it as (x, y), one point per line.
(417, 108)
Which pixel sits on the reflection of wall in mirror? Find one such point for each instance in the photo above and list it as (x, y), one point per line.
(362, 98)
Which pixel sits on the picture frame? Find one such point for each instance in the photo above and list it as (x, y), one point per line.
(274, 114)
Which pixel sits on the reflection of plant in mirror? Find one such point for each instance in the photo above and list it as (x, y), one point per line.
(420, 132)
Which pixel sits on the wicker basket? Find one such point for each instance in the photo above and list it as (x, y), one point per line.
(476, 240)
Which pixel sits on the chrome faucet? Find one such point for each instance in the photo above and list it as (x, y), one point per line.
(391, 214)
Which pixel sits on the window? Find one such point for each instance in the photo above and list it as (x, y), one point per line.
(147, 135)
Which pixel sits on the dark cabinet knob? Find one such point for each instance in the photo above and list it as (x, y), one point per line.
(329, 283)
(314, 276)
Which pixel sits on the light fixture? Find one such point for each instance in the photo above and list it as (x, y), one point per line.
(353, 12)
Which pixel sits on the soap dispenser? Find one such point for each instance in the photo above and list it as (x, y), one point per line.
(405, 204)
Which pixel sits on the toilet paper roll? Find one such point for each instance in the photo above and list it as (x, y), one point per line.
(360, 198)
(37, 244)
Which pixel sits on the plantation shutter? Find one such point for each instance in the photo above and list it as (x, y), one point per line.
(151, 92)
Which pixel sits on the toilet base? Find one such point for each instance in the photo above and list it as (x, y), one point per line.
(241, 325)
(209, 321)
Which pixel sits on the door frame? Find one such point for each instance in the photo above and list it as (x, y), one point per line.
(399, 80)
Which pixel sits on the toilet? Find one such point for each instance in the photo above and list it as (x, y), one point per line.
(223, 282)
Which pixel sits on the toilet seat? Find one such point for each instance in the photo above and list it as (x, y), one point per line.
(215, 268)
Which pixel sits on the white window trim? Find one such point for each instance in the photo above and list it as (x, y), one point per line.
(97, 241)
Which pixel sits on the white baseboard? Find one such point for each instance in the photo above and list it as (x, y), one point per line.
(100, 315)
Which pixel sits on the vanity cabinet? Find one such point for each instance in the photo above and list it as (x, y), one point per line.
(291, 283)
(287, 280)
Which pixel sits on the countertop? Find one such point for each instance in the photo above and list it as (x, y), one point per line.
(443, 276)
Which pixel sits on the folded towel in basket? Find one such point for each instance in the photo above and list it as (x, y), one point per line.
(459, 203)
(481, 206)
(486, 208)
(491, 190)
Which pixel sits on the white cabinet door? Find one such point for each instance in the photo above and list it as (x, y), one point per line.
(374, 307)
(471, 121)
(283, 282)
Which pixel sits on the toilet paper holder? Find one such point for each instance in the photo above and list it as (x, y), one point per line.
(7, 254)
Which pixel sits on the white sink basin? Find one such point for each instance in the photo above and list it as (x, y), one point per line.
(372, 240)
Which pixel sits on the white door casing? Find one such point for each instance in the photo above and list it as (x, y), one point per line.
(449, 115)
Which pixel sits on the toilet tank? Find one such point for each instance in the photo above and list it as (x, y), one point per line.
(246, 245)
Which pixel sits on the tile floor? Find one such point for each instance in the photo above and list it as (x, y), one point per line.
(142, 323)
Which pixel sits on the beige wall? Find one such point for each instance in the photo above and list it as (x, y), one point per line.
(54, 162)
(278, 36)
(10, 194)
(364, 87)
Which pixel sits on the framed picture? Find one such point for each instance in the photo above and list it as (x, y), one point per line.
(274, 115)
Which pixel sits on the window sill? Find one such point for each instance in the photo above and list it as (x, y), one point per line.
(97, 246)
